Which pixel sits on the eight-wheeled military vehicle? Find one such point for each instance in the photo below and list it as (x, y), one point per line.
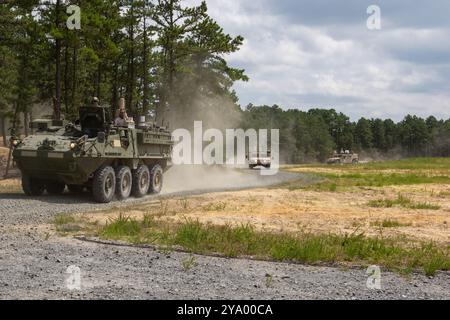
(344, 157)
(93, 154)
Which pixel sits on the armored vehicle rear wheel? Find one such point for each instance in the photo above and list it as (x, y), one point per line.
(75, 189)
(55, 188)
(104, 185)
(124, 181)
(156, 179)
(32, 187)
(141, 181)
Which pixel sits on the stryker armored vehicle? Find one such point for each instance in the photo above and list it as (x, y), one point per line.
(93, 154)
(344, 157)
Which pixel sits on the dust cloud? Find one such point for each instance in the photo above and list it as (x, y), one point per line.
(190, 178)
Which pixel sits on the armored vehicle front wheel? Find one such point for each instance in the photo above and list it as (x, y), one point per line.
(32, 187)
(156, 179)
(141, 181)
(55, 188)
(124, 181)
(104, 185)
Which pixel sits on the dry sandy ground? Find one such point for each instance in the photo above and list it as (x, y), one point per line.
(4, 152)
(10, 186)
(283, 210)
(358, 169)
(279, 209)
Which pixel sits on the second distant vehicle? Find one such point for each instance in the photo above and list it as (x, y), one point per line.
(344, 157)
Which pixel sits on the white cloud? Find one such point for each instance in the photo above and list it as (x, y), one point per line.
(387, 73)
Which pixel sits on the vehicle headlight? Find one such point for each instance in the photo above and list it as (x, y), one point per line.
(73, 145)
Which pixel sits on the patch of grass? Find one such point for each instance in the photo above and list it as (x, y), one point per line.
(418, 171)
(148, 221)
(381, 180)
(416, 164)
(387, 223)
(402, 201)
(238, 241)
(164, 207)
(189, 263)
(218, 206)
(122, 227)
(410, 164)
(306, 181)
(63, 218)
(340, 182)
(424, 206)
(66, 223)
(443, 194)
(381, 203)
(269, 280)
(333, 187)
(184, 204)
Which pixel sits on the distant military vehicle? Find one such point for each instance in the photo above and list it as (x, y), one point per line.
(93, 154)
(344, 157)
(259, 159)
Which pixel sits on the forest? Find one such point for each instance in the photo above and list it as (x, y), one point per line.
(313, 135)
(168, 59)
(161, 56)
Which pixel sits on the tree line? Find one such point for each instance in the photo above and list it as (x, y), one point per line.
(160, 55)
(315, 134)
(167, 58)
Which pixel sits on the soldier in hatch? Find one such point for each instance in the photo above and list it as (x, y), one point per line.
(122, 118)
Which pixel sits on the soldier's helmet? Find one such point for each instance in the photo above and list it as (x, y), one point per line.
(95, 102)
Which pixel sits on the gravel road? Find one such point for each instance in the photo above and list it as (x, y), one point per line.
(33, 266)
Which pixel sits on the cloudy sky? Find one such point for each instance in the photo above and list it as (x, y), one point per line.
(308, 53)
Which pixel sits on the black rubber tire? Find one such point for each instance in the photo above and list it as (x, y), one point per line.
(124, 182)
(104, 184)
(156, 179)
(55, 188)
(32, 187)
(75, 189)
(141, 181)
(251, 167)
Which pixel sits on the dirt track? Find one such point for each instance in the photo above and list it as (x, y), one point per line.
(33, 262)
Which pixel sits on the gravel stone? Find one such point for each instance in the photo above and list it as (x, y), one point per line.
(29, 268)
